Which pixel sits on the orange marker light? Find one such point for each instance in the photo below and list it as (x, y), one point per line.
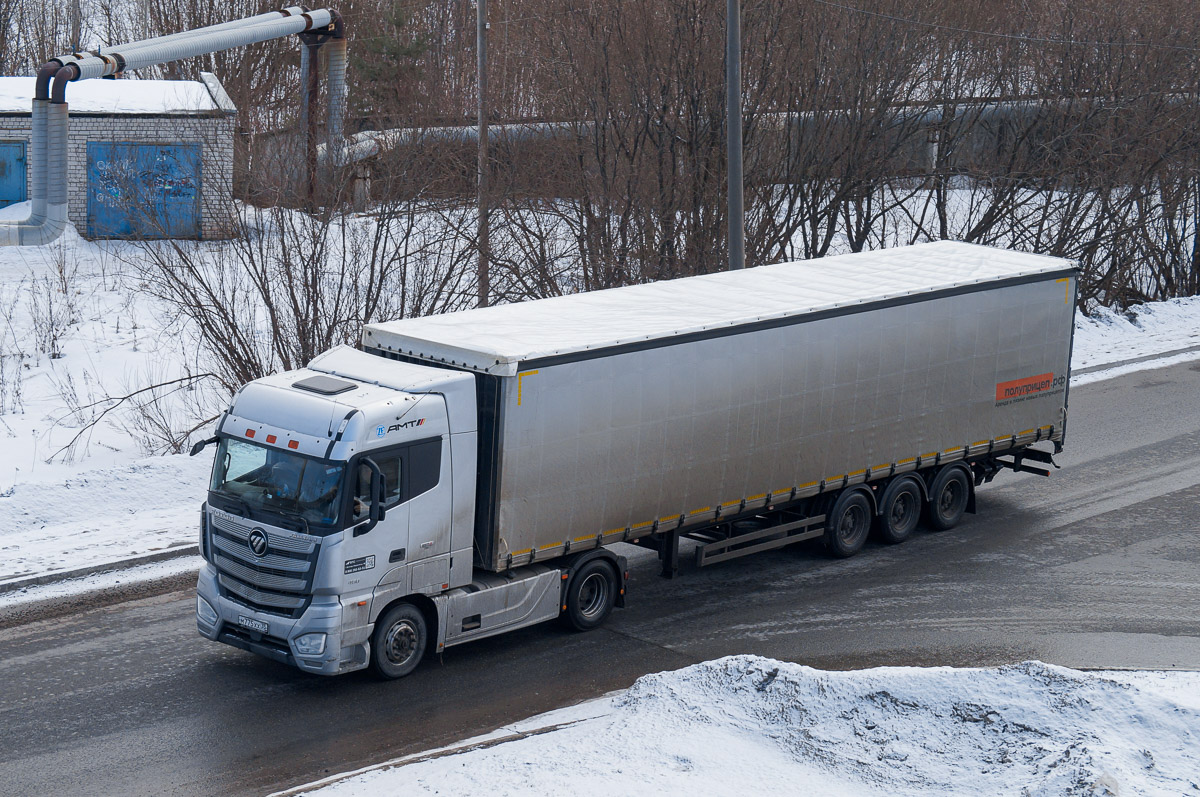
(270, 438)
(293, 443)
(249, 433)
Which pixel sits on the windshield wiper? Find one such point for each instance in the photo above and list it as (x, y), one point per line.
(301, 518)
(249, 513)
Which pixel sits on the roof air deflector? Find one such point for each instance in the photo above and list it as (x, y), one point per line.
(325, 385)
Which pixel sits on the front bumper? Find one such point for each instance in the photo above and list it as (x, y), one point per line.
(345, 650)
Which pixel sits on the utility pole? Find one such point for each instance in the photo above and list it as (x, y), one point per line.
(733, 115)
(76, 27)
(484, 245)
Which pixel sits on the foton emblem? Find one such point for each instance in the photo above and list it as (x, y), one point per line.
(258, 542)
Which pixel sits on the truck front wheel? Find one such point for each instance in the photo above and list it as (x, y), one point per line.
(399, 641)
(948, 497)
(847, 524)
(591, 593)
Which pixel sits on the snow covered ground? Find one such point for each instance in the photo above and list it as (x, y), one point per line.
(76, 328)
(750, 725)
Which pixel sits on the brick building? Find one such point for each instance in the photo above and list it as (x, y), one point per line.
(146, 158)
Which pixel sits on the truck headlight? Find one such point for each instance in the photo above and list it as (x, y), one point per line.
(205, 611)
(310, 644)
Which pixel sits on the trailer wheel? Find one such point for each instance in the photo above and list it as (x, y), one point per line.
(591, 593)
(948, 496)
(847, 525)
(900, 510)
(399, 641)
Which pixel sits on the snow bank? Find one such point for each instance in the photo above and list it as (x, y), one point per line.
(101, 516)
(746, 725)
(1144, 330)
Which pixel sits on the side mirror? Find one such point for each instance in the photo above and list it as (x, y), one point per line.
(196, 449)
(378, 490)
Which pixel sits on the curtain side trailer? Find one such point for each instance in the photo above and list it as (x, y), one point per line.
(475, 467)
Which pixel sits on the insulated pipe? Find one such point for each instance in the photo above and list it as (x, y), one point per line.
(336, 72)
(56, 171)
(41, 98)
(187, 34)
(44, 227)
(47, 219)
(158, 51)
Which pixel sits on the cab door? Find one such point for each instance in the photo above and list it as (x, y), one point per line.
(369, 555)
(415, 531)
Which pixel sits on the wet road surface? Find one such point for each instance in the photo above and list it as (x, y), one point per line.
(1097, 566)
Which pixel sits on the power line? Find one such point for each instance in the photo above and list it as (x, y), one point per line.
(1010, 36)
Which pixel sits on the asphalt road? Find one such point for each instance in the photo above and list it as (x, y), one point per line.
(1097, 566)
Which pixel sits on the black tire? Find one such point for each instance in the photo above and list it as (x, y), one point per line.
(591, 595)
(399, 641)
(948, 496)
(900, 510)
(848, 524)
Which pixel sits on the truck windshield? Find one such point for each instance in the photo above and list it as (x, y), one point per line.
(272, 480)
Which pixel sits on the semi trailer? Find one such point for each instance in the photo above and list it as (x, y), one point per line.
(467, 474)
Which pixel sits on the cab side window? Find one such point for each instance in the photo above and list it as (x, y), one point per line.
(424, 467)
(391, 464)
(407, 472)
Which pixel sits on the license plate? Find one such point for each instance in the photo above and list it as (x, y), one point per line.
(252, 624)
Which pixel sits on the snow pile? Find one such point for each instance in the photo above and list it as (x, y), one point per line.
(745, 725)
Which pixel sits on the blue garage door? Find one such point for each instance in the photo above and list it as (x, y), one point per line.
(143, 190)
(12, 172)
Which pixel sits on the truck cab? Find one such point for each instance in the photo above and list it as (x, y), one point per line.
(336, 489)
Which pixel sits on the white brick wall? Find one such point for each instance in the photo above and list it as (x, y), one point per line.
(213, 132)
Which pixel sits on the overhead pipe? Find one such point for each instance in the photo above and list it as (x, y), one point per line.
(369, 143)
(63, 60)
(49, 113)
(124, 50)
(154, 52)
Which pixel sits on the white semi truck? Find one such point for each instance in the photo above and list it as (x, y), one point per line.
(464, 475)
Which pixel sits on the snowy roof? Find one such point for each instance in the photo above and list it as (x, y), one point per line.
(116, 97)
(497, 339)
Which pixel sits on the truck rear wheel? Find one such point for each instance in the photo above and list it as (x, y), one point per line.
(847, 525)
(399, 641)
(900, 510)
(591, 594)
(948, 497)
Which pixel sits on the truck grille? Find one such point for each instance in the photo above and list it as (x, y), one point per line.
(279, 582)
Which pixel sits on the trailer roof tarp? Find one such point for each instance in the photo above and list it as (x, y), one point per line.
(506, 338)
